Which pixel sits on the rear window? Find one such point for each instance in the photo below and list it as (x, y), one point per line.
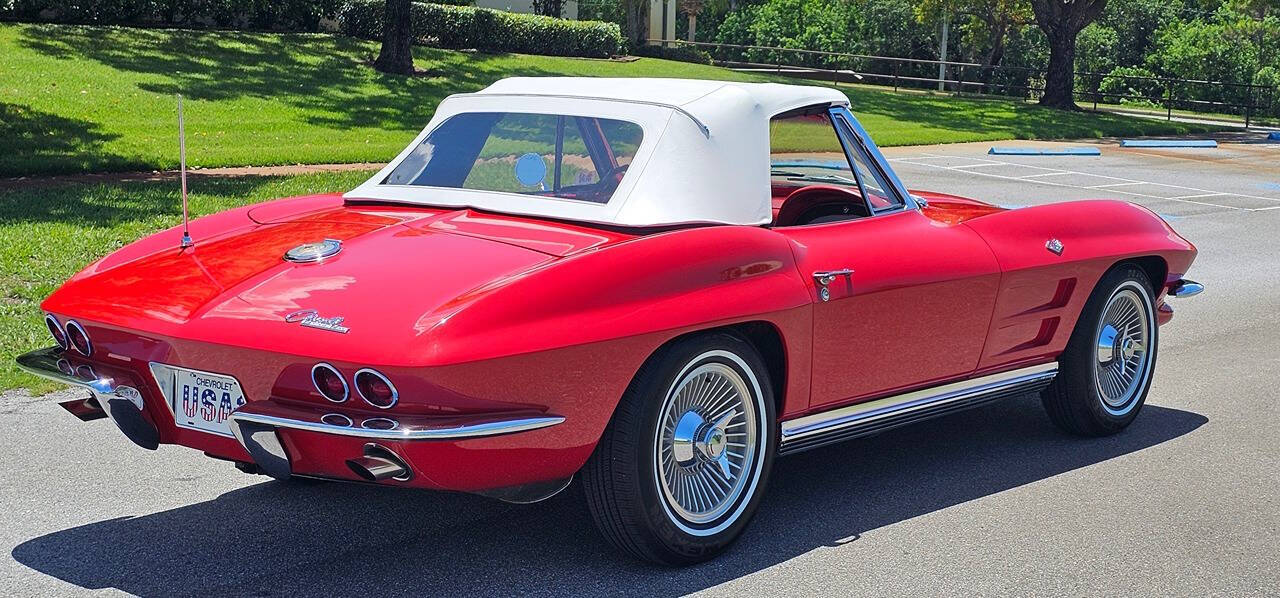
(548, 155)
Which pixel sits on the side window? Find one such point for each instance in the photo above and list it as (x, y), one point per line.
(877, 190)
(804, 149)
(817, 148)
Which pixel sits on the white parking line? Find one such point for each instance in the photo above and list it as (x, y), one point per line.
(1032, 176)
(944, 157)
(1117, 185)
(980, 165)
(1109, 186)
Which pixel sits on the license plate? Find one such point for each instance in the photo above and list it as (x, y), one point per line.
(199, 400)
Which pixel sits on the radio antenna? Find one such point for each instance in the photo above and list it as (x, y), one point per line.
(182, 161)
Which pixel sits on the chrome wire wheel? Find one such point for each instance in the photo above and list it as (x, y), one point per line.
(1123, 360)
(708, 443)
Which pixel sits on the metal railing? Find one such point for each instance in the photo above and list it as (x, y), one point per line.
(1246, 100)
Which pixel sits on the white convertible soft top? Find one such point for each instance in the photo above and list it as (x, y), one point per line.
(704, 156)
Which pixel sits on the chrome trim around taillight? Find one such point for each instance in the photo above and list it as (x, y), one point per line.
(88, 352)
(346, 389)
(395, 395)
(51, 322)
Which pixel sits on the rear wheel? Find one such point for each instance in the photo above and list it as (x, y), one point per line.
(682, 466)
(1107, 368)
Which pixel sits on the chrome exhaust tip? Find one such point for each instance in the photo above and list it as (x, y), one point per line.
(380, 464)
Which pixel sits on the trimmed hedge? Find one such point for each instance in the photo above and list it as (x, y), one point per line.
(268, 15)
(488, 30)
(260, 15)
(679, 52)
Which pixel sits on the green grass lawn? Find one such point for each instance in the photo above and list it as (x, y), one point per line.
(49, 233)
(86, 99)
(80, 99)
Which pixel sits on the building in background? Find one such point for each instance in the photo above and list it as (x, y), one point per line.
(526, 6)
(662, 20)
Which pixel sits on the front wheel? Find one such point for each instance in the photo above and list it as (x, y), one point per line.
(682, 466)
(1107, 368)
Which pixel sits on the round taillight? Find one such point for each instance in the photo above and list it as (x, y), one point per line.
(78, 338)
(376, 389)
(329, 382)
(59, 335)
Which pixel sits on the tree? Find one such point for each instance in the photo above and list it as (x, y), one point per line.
(396, 55)
(637, 13)
(692, 8)
(989, 24)
(549, 8)
(1061, 21)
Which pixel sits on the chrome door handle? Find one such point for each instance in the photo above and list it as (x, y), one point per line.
(825, 277)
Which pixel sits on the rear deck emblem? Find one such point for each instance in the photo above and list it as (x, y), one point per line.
(312, 319)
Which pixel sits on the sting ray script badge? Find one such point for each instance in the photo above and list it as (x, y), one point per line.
(312, 319)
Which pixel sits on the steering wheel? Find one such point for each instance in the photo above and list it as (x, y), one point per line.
(609, 182)
(803, 204)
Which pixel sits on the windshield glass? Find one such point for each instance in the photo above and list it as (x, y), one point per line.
(550, 155)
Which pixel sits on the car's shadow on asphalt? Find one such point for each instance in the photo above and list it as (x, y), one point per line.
(323, 539)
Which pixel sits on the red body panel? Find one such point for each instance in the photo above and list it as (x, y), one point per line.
(1043, 294)
(926, 306)
(474, 314)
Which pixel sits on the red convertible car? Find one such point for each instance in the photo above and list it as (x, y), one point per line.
(655, 285)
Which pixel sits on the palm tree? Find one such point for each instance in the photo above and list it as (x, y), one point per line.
(692, 8)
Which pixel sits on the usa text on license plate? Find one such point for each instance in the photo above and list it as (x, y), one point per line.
(204, 401)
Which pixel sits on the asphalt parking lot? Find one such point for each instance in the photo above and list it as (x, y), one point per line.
(992, 501)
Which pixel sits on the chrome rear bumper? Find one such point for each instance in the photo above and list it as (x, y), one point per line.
(492, 427)
(121, 403)
(259, 433)
(259, 425)
(1185, 288)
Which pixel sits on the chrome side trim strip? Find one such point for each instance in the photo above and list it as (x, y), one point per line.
(844, 422)
(491, 428)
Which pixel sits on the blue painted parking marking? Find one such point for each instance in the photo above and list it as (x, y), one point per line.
(1031, 151)
(1168, 143)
